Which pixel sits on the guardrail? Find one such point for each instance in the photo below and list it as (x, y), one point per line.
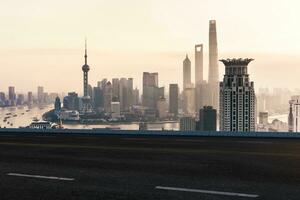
(151, 133)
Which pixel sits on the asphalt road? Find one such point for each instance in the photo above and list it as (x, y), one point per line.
(143, 167)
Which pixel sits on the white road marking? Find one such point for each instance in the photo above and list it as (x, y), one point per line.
(41, 177)
(207, 191)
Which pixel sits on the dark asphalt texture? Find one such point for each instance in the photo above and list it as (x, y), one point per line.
(130, 167)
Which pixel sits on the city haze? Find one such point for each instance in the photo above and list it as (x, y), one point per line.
(42, 41)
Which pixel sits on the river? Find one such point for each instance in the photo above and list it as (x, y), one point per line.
(23, 118)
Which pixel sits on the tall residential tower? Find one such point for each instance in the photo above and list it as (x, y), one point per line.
(237, 97)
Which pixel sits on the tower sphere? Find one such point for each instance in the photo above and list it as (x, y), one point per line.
(85, 68)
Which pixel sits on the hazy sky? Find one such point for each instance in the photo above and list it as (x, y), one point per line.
(42, 41)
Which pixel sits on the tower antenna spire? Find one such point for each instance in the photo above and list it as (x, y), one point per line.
(85, 55)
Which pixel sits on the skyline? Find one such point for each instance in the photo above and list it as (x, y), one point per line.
(37, 52)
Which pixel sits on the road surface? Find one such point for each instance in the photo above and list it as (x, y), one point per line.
(61, 166)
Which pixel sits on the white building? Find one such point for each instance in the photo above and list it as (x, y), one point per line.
(115, 110)
(237, 97)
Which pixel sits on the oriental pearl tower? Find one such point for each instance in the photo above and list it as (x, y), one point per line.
(86, 99)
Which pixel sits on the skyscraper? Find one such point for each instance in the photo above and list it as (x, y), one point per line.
(57, 104)
(2, 97)
(40, 94)
(291, 118)
(237, 97)
(107, 97)
(189, 101)
(98, 99)
(200, 84)
(11, 93)
(130, 91)
(29, 98)
(198, 64)
(71, 102)
(213, 72)
(186, 72)
(116, 88)
(162, 108)
(294, 114)
(12, 96)
(150, 90)
(124, 104)
(86, 99)
(173, 99)
(136, 97)
(115, 109)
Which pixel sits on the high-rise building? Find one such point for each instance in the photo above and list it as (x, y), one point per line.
(186, 72)
(237, 97)
(124, 104)
(136, 97)
(187, 124)
(150, 79)
(213, 73)
(173, 99)
(162, 108)
(199, 81)
(161, 92)
(11, 93)
(207, 119)
(86, 99)
(57, 104)
(11, 96)
(71, 102)
(116, 88)
(91, 93)
(189, 101)
(20, 99)
(291, 118)
(2, 97)
(198, 64)
(150, 90)
(98, 98)
(107, 97)
(29, 98)
(102, 83)
(202, 95)
(294, 115)
(130, 91)
(115, 109)
(40, 94)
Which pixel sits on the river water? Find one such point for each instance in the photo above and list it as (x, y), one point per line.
(23, 119)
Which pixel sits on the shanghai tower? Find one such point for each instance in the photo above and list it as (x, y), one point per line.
(213, 73)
